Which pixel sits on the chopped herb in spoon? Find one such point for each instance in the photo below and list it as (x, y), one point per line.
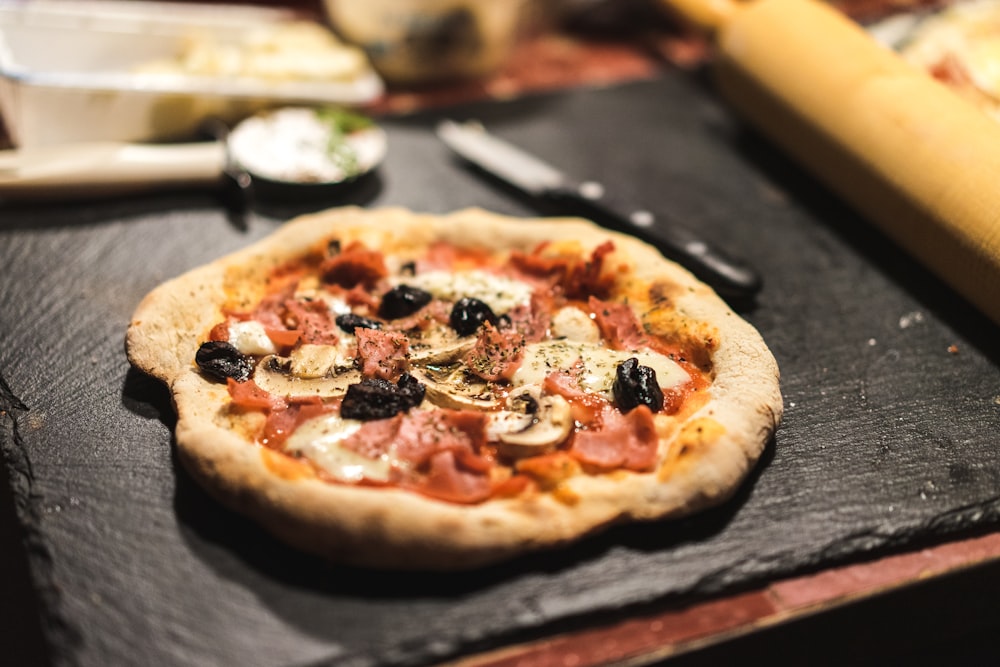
(342, 123)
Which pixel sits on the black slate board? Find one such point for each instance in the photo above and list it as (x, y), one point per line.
(889, 439)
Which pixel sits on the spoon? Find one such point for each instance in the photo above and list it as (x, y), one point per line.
(286, 148)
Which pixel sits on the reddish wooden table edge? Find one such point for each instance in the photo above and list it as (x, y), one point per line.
(656, 636)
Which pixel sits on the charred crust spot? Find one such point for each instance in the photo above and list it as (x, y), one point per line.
(662, 293)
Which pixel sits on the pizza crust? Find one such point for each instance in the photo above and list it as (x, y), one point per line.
(714, 449)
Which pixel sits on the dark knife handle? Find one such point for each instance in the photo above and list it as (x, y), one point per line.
(730, 277)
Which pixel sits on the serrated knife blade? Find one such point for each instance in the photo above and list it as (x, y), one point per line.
(731, 278)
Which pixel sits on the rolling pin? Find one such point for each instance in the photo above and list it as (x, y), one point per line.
(912, 156)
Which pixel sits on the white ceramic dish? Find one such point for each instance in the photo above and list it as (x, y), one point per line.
(68, 72)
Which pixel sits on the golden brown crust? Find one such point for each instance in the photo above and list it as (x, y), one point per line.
(705, 455)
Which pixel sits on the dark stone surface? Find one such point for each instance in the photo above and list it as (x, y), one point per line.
(889, 440)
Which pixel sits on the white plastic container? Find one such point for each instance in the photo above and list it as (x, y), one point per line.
(68, 72)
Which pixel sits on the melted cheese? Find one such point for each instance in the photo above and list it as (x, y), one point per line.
(250, 338)
(599, 365)
(335, 304)
(574, 324)
(320, 440)
(499, 293)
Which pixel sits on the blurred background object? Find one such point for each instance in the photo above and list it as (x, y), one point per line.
(430, 41)
(139, 71)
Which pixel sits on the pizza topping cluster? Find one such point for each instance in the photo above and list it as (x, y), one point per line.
(461, 374)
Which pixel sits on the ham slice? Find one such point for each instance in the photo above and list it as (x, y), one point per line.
(283, 420)
(497, 354)
(447, 480)
(624, 441)
(618, 324)
(375, 437)
(383, 354)
(586, 408)
(354, 265)
(313, 320)
(576, 278)
(446, 444)
(532, 320)
(249, 396)
(424, 433)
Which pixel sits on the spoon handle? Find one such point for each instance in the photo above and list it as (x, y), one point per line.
(104, 167)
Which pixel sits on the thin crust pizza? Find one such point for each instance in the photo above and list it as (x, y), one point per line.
(401, 390)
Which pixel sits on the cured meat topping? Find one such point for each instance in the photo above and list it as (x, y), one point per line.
(496, 354)
(355, 265)
(382, 354)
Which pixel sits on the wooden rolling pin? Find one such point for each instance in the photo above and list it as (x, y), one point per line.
(908, 153)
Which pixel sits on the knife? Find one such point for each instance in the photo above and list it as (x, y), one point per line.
(730, 277)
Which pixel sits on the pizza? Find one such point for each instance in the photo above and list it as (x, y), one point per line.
(400, 390)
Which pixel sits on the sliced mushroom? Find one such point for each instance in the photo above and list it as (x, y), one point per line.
(522, 434)
(440, 346)
(274, 375)
(454, 386)
(318, 361)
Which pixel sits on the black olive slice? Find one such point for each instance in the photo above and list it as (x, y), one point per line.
(402, 300)
(636, 385)
(348, 322)
(412, 389)
(375, 398)
(468, 314)
(221, 360)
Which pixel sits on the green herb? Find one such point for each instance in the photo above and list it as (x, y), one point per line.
(342, 123)
(343, 120)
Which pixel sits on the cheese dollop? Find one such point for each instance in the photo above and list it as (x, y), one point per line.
(498, 292)
(321, 441)
(250, 338)
(599, 365)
